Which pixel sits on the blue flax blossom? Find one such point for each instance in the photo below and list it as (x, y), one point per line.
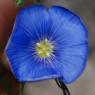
(47, 43)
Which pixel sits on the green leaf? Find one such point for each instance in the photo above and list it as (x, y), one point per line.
(19, 2)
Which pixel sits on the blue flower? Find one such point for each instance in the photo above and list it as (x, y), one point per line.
(47, 43)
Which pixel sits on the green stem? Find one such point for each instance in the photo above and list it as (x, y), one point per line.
(21, 89)
(19, 2)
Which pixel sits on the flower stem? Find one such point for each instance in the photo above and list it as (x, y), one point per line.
(19, 2)
(63, 87)
(21, 88)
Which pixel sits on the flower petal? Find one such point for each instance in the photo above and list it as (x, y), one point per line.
(32, 25)
(71, 40)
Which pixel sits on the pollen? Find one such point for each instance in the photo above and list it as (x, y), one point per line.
(44, 48)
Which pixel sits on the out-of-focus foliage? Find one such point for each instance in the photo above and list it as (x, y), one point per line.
(19, 2)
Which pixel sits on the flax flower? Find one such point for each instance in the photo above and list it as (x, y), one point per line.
(47, 43)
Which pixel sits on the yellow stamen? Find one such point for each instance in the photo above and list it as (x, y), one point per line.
(44, 48)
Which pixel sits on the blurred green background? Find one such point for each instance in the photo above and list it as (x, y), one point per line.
(83, 86)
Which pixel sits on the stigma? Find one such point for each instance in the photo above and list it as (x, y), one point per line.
(44, 48)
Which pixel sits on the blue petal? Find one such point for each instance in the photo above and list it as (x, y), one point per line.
(71, 39)
(32, 25)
